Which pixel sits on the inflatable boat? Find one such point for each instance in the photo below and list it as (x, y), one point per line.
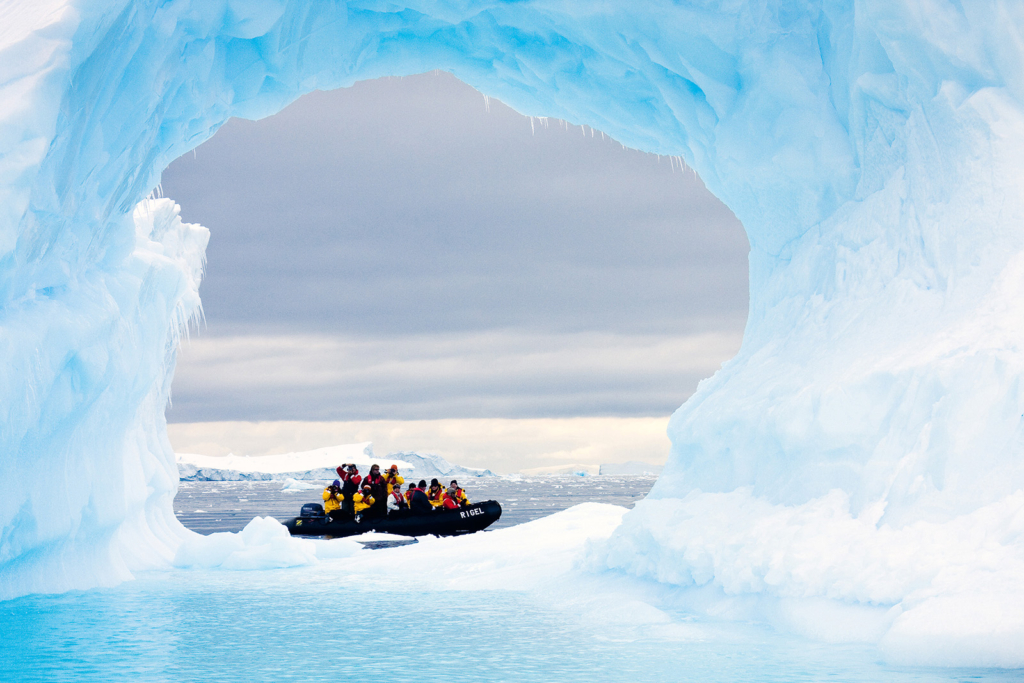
(475, 517)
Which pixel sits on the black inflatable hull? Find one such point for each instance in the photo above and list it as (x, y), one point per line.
(476, 517)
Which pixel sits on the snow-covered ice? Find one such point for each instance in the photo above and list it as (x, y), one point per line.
(864, 446)
(263, 544)
(930, 592)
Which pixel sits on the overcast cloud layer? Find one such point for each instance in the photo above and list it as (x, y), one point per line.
(401, 250)
(465, 374)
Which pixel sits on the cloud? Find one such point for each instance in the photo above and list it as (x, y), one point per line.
(485, 374)
(394, 250)
(403, 206)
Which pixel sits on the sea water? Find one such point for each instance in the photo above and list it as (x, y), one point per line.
(212, 506)
(305, 625)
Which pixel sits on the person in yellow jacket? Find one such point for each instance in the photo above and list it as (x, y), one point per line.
(435, 494)
(363, 501)
(392, 477)
(332, 500)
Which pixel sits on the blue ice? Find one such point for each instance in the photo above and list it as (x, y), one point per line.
(862, 448)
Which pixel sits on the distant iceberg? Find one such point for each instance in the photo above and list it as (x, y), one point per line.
(318, 464)
(430, 465)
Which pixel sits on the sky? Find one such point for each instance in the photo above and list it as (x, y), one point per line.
(407, 249)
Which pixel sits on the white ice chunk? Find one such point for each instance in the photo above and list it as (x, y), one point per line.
(264, 543)
(294, 486)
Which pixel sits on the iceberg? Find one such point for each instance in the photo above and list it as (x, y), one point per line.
(424, 465)
(87, 468)
(872, 149)
(317, 464)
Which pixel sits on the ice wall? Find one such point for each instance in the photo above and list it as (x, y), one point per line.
(871, 148)
(88, 472)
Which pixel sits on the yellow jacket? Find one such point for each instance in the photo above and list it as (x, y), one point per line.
(362, 502)
(436, 499)
(397, 479)
(332, 501)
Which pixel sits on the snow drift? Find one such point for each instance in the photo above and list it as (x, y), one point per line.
(872, 148)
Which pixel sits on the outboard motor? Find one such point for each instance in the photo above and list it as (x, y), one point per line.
(312, 510)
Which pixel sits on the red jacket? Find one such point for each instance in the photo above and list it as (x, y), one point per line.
(349, 484)
(343, 475)
(450, 503)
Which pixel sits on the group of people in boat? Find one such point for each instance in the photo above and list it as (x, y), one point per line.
(354, 497)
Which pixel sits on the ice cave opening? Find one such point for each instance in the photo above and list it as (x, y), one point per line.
(871, 149)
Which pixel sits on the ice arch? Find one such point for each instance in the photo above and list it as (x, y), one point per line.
(871, 148)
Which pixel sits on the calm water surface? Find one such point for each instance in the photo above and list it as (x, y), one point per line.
(294, 625)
